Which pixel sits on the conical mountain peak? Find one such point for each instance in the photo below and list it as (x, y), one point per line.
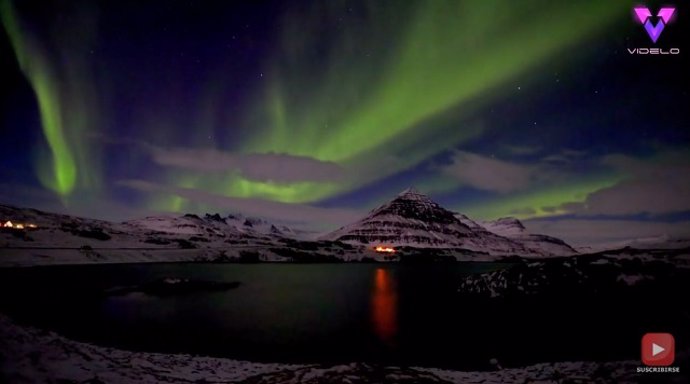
(410, 191)
(412, 194)
(413, 219)
(411, 204)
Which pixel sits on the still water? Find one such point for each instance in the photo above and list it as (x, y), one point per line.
(329, 313)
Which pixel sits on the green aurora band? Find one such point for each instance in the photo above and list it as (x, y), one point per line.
(37, 69)
(450, 60)
(545, 202)
(64, 97)
(400, 85)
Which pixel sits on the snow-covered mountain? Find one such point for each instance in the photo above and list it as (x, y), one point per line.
(413, 219)
(211, 224)
(209, 231)
(410, 220)
(512, 228)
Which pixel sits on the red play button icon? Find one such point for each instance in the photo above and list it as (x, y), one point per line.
(658, 349)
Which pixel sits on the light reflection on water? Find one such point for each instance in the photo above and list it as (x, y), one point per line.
(323, 313)
(384, 306)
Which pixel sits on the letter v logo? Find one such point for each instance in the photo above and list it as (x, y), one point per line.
(644, 16)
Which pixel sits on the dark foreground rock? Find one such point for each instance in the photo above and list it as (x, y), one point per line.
(579, 276)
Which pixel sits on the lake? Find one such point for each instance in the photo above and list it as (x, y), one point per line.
(325, 313)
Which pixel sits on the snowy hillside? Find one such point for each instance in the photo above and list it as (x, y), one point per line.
(48, 238)
(58, 230)
(211, 225)
(512, 228)
(413, 219)
(36, 355)
(411, 222)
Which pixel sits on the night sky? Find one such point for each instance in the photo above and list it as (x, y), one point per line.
(310, 113)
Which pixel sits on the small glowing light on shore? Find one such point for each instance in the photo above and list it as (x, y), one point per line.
(382, 249)
(10, 224)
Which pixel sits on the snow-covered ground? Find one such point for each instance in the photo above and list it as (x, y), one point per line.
(30, 355)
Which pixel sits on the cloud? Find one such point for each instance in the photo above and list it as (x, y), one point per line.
(260, 167)
(495, 175)
(489, 174)
(276, 167)
(565, 156)
(308, 216)
(84, 204)
(523, 211)
(655, 187)
(597, 232)
(522, 150)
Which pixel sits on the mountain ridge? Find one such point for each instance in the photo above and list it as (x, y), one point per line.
(414, 219)
(410, 219)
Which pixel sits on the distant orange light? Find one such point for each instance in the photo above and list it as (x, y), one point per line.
(382, 249)
(9, 224)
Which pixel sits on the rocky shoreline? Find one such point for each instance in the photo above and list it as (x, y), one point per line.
(595, 274)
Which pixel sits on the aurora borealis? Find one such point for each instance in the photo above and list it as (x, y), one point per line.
(318, 111)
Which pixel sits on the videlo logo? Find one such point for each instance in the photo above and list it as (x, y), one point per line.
(654, 25)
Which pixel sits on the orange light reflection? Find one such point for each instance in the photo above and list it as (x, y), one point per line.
(384, 306)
